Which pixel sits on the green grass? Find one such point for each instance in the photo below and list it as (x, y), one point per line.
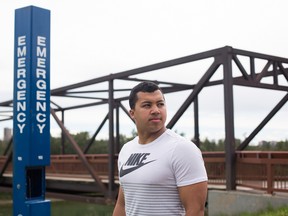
(60, 208)
(80, 209)
(283, 211)
(5, 210)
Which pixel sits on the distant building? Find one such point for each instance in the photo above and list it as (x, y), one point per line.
(7, 134)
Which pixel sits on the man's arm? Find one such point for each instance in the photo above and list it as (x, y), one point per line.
(193, 198)
(119, 209)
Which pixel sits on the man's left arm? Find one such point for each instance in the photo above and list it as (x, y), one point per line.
(193, 198)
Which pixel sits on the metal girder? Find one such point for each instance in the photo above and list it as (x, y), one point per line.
(111, 165)
(281, 103)
(230, 159)
(227, 57)
(86, 148)
(81, 155)
(199, 86)
(6, 163)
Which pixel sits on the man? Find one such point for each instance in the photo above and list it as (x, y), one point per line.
(160, 172)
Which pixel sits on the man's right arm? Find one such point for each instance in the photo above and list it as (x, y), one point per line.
(119, 209)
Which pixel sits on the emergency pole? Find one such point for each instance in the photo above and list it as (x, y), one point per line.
(31, 111)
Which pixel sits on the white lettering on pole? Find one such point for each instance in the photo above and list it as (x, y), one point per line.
(22, 40)
(21, 127)
(21, 83)
(41, 87)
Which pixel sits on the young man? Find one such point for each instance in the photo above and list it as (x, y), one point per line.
(160, 172)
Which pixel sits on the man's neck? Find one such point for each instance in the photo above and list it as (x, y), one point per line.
(145, 138)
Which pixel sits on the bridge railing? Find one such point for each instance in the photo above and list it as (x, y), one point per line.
(263, 170)
(71, 164)
(267, 171)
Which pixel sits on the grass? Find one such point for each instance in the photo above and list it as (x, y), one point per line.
(68, 208)
(80, 209)
(60, 208)
(282, 211)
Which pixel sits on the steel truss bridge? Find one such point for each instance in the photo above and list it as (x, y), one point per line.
(225, 66)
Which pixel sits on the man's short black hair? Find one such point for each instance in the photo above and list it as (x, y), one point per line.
(142, 87)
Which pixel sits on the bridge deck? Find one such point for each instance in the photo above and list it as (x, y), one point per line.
(67, 175)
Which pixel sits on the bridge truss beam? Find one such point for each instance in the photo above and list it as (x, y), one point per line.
(238, 68)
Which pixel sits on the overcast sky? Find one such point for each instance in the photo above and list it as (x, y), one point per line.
(92, 38)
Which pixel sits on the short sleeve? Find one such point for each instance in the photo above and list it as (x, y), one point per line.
(188, 164)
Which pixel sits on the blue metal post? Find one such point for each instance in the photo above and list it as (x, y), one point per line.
(31, 111)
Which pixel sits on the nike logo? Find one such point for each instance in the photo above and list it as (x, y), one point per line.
(124, 172)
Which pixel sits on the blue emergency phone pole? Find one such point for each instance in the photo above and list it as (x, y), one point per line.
(31, 111)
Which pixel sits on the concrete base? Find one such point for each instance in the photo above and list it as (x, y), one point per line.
(230, 203)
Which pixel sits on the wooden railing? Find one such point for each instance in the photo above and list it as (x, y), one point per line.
(267, 171)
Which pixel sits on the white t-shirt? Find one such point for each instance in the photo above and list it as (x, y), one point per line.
(149, 174)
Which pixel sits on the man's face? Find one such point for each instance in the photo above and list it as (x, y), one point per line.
(150, 112)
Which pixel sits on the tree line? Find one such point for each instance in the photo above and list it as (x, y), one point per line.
(212, 145)
(101, 146)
